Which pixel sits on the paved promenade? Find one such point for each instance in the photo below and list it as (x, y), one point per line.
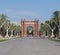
(29, 46)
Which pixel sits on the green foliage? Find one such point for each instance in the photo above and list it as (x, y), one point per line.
(3, 40)
(53, 23)
(47, 26)
(3, 19)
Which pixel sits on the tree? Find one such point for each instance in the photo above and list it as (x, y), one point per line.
(14, 29)
(56, 19)
(45, 27)
(3, 19)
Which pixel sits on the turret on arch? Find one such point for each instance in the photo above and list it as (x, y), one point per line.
(34, 24)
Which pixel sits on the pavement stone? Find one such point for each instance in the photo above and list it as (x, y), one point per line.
(29, 46)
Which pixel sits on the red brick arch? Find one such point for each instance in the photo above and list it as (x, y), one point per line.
(25, 24)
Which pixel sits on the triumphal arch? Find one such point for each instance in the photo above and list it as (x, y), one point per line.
(30, 28)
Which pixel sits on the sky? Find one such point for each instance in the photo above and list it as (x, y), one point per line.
(29, 9)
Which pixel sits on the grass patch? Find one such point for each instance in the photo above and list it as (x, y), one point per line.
(3, 40)
(56, 40)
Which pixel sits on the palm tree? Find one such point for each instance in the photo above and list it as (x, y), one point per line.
(15, 29)
(3, 19)
(45, 29)
(6, 26)
(56, 19)
(11, 27)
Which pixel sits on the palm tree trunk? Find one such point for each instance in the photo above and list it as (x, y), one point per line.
(7, 36)
(52, 32)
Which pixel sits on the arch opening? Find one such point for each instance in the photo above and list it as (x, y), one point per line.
(29, 31)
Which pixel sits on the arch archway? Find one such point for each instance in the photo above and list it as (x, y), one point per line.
(32, 24)
(30, 30)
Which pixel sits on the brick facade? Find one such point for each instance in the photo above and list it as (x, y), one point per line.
(34, 24)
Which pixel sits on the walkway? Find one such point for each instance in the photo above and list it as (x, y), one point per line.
(29, 46)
